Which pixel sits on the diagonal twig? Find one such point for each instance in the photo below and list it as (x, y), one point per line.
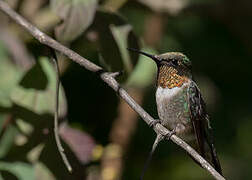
(110, 80)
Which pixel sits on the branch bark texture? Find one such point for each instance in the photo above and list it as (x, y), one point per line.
(110, 80)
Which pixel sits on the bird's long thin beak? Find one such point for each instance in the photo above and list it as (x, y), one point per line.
(153, 57)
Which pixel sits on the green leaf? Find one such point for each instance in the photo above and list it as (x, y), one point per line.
(10, 76)
(109, 50)
(40, 101)
(22, 171)
(121, 35)
(115, 36)
(77, 15)
(42, 172)
(7, 139)
(144, 73)
(35, 78)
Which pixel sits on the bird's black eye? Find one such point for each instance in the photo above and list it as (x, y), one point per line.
(174, 62)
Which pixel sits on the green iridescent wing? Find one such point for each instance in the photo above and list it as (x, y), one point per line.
(201, 124)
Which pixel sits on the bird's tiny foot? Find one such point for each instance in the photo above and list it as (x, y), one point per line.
(154, 122)
(169, 134)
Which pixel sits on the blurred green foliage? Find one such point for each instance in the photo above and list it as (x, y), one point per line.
(215, 35)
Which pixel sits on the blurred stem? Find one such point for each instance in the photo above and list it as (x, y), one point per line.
(123, 128)
(56, 114)
(8, 120)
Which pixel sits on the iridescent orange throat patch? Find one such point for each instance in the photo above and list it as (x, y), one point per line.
(169, 77)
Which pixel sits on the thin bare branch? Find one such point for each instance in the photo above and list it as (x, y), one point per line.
(56, 115)
(115, 74)
(106, 77)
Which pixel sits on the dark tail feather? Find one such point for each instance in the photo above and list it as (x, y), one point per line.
(210, 156)
(214, 157)
(215, 160)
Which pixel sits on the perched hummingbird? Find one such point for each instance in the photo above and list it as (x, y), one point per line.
(181, 108)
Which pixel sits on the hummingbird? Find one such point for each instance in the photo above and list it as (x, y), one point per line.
(180, 105)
